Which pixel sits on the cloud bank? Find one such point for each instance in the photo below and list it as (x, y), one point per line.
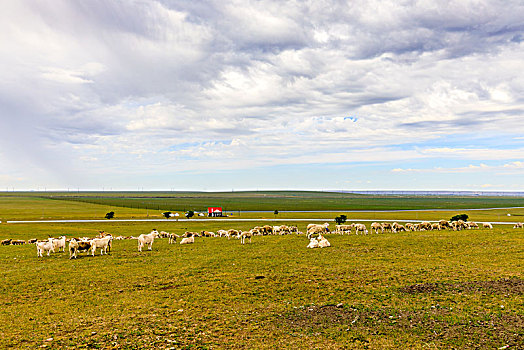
(152, 91)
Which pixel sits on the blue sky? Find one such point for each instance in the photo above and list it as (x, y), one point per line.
(221, 95)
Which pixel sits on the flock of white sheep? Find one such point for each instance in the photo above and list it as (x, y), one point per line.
(315, 234)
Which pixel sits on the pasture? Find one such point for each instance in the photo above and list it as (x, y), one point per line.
(271, 200)
(437, 289)
(253, 205)
(430, 289)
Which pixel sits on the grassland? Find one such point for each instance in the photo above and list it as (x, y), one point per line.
(419, 290)
(140, 205)
(278, 200)
(436, 290)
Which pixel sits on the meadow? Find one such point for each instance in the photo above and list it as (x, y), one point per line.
(435, 289)
(275, 200)
(253, 205)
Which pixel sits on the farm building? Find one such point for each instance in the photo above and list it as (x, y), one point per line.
(214, 211)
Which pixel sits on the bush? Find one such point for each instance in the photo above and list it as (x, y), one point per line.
(190, 214)
(341, 219)
(110, 215)
(167, 214)
(463, 217)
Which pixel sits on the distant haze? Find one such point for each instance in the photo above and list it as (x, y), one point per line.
(230, 95)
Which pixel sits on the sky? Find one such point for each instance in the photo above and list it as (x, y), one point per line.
(256, 95)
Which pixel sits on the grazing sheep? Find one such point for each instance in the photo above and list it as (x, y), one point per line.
(518, 225)
(313, 229)
(487, 225)
(210, 234)
(31, 241)
(17, 242)
(396, 227)
(342, 229)
(221, 233)
(232, 233)
(360, 228)
(44, 246)
(444, 224)
(472, 225)
(386, 227)
(244, 235)
(318, 228)
(282, 230)
(76, 245)
(459, 225)
(410, 226)
(400, 228)
(102, 243)
(425, 226)
(59, 243)
(376, 226)
(6, 241)
(172, 238)
(148, 239)
(267, 230)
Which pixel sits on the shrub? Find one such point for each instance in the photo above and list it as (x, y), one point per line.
(463, 217)
(341, 219)
(110, 215)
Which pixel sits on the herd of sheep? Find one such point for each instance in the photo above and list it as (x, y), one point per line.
(315, 234)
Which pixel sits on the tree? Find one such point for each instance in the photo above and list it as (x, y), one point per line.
(341, 219)
(190, 214)
(110, 215)
(167, 214)
(275, 212)
(463, 217)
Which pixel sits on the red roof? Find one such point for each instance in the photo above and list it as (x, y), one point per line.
(214, 209)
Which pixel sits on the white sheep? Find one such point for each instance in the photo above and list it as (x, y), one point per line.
(102, 243)
(313, 243)
(244, 235)
(323, 242)
(361, 228)
(58, 243)
(188, 240)
(342, 229)
(148, 239)
(376, 226)
(172, 237)
(44, 246)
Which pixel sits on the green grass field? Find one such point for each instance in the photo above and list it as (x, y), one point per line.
(436, 289)
(140, 205)
(275, 200)
(428, 289)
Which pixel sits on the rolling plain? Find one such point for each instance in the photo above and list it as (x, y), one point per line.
(428, 290)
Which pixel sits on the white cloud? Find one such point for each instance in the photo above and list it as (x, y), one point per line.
(472, 168)
(171, 86)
